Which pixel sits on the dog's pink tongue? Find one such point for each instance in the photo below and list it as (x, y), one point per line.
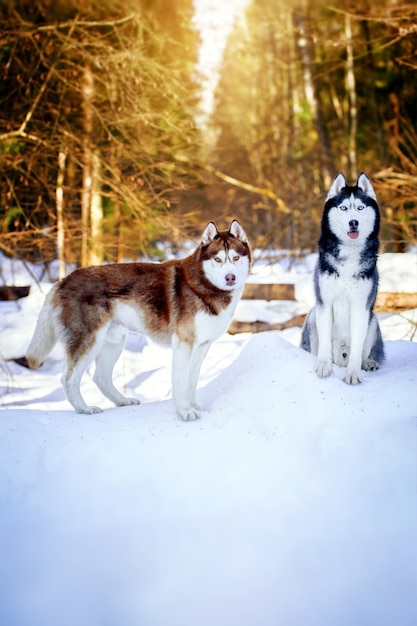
(353, 234)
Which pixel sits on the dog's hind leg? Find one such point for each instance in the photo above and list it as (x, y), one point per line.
(309, 339)
(373, 349)
(324, 331)
(103, 376)
(71, 380)
(305, 342)
(76, 365)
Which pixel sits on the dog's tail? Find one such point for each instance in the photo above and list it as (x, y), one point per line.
(44, 337)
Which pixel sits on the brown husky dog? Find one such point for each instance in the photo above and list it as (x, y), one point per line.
(186, 303)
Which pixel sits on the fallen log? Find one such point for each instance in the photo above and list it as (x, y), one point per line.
(386, 302)
(260, 327)
(10, 292)
(269, 291)
(21, 360)
(391, 302)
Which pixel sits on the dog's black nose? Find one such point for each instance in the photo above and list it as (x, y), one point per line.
(354, 224)
(230, 279)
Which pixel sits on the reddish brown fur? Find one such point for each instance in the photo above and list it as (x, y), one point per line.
(165, 291)
(185, 303)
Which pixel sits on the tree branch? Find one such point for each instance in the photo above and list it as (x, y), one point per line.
(280, 204)
(88, 24)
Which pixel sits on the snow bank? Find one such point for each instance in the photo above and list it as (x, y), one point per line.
(291, 502)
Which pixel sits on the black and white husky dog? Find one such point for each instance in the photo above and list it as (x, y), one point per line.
(341, 327)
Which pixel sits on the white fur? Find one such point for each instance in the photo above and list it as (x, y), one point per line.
(187, 357)
(209, 233)
(353, 209)
(44, 337)
(237, 231)
(343, 314)
(365, 184)
(217, 268)
(107, 348)
(186, 364)
(337, 186)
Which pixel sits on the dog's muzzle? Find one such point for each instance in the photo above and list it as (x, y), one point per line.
(230, 280)
(353, 233)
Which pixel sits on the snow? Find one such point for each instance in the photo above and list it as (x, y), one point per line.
(291, 502)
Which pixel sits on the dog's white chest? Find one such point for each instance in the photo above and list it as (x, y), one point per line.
(344, 292)
(345, 286)
(210, 327)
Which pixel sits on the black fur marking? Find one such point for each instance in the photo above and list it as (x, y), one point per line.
(209, 307)
(368, 258)
(178, 282)
(329, 244)
(157, 302)
(377, 351)
(89, 298)
(306, 334)
(345, 194)
(372, 294)
(123, 291)
(317, 272)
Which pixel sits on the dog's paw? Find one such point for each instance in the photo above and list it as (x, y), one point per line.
(128, 402)
(352, 378)
(323, 369)
(370, 365)
(90, 410)
(189, 414)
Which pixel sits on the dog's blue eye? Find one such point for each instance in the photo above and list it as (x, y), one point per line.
(361, 207)
(343, 208)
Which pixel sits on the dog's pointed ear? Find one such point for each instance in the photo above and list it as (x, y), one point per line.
(365, 184)
(237, 231)
(337, 185)
(209, 234)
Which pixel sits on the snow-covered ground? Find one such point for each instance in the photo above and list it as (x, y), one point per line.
(291, 502)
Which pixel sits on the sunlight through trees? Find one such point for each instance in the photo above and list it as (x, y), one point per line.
(101, 149)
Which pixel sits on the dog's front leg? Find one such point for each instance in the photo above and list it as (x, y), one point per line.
(324, 330)
(181, 376)
(358, 330)
(196, 363)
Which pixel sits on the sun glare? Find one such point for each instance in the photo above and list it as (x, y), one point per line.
(214, 19)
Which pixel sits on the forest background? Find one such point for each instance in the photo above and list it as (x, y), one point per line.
(105, 150)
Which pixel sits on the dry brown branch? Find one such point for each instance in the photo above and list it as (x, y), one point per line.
(262, 191)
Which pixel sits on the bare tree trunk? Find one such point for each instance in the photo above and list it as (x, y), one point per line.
(96, 215)
(88, 92)
(306, 48)
(351, 90)
(62, 156)
(118, 238)
(375, 105)
(293, 91)
(91, 208)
